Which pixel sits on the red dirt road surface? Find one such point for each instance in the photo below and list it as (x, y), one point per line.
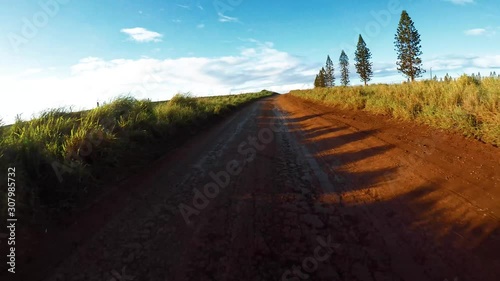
(287, 189)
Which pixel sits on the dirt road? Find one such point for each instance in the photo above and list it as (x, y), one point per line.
(291, 190)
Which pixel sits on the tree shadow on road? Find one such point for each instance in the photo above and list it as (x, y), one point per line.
(442, 231)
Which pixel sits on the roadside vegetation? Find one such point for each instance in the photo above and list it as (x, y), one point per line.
(63, 157)
(469, 105)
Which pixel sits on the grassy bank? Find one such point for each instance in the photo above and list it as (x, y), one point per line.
(62, 156)
(466, 105)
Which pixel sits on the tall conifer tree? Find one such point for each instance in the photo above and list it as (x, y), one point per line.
(407, 45)
(329, 73)
(322, 78)
(363, 64)
(344, 69)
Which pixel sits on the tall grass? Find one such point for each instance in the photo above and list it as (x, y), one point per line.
(466, 105)
(61, 156)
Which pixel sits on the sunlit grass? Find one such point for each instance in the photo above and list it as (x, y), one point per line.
(90, 146)
(466, 105)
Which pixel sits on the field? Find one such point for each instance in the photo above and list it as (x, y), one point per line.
(467, 105)
(62, 157)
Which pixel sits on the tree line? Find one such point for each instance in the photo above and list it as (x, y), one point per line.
(406, 43)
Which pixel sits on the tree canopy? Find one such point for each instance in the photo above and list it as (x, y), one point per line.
(362, 57)
(344, 69)
(407, 45)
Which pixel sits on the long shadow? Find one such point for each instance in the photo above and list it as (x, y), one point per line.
(337, 160)
(347, 182)
(452, 242)
(318, 132)
(271, 224)
(322, 142)
(430, 245)
(304, 118)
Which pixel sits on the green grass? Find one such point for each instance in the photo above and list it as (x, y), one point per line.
(466, 105)
(93, 147)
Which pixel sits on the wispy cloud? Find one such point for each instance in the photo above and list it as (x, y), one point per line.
(200, 6)
(224, 18)
(461, 2)
(201, 25)
(456, 62)
(480, 32)
(184, 6)
(475, 31)
(142, 35)
(266, 44)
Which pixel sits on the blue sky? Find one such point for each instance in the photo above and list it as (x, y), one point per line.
(75, 53)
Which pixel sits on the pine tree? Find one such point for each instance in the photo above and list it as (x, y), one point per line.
(344, 69)
(319, 82)
(329, 73)
(407, 44)
(362, 57)
(322, 78)
(316, 81)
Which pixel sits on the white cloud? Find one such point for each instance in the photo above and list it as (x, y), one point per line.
(142, 35)
(461, 2)
(184, 6)
(488, 31)
(486, 61)
(223, 18)
(32, 71)
(475, 31)
(455, 62)
(94, 79)
(201, 25)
